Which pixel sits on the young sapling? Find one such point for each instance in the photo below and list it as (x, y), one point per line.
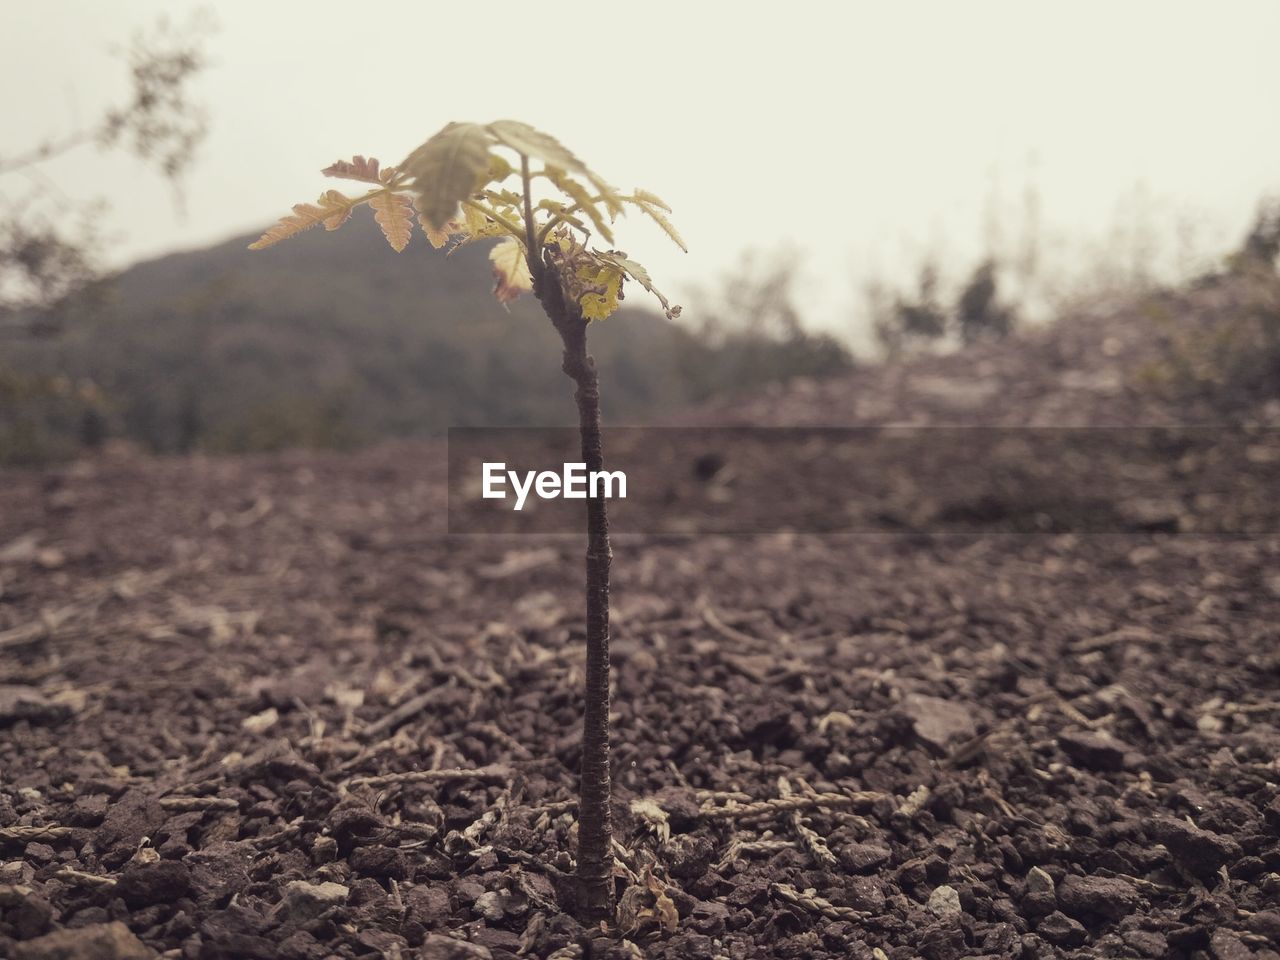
(454, 185)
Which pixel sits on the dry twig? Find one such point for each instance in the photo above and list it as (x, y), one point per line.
(401, 714)
(778, 805)
(81, 879)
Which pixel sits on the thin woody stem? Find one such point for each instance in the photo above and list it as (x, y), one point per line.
(595, 829)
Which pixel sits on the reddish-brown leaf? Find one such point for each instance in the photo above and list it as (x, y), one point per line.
(359, 168)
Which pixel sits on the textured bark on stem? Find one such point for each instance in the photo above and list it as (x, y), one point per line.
(595, 829)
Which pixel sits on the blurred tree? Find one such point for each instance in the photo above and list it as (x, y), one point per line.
(1222, 329)
(979, 314)
(903, 322)
(48, 244)
(910, 320)
(752, 332)
(757, 299)
(1262, 245)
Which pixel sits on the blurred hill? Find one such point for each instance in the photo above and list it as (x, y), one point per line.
(1206, 352)
(333, 340)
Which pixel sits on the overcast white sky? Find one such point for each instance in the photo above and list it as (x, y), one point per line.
(865, 135)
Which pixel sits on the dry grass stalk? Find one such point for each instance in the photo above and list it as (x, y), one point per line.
(779, 805)
(810, 839)
(812, 902)
(494, 773)
(50, 834)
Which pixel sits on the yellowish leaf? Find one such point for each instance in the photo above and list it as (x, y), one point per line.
(438, 237)
(504, 198)
(394, 213)
(510, 270)
(604, 290)
(644, 196)
(448, 168)
(479, 226)
(499, 168)
(578, 193)
(476, 221)
(657, 211)
(533, 143)
(640, 275)
(332, 210)
(338, 207)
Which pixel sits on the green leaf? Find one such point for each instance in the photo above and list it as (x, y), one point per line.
(447, 169)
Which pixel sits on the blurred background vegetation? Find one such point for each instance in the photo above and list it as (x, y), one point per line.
(332, 341)
(335, 341)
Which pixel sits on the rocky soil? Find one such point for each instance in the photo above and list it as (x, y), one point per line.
(265, 707)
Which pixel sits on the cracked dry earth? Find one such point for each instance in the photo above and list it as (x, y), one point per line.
(264, 708)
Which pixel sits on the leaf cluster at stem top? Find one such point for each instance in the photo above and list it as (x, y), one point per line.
(457, 183)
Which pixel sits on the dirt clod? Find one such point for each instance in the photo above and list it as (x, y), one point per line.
(19, 702)
(146, 884)
(1086, 897)
(305, 901)
(937, 722)
(1225, 945)
(104, 941)
(1200, 851)
(862, 857)
(1093, 751)
(944, 901)
(386, 862)
(1061, 930)
(438, 947)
